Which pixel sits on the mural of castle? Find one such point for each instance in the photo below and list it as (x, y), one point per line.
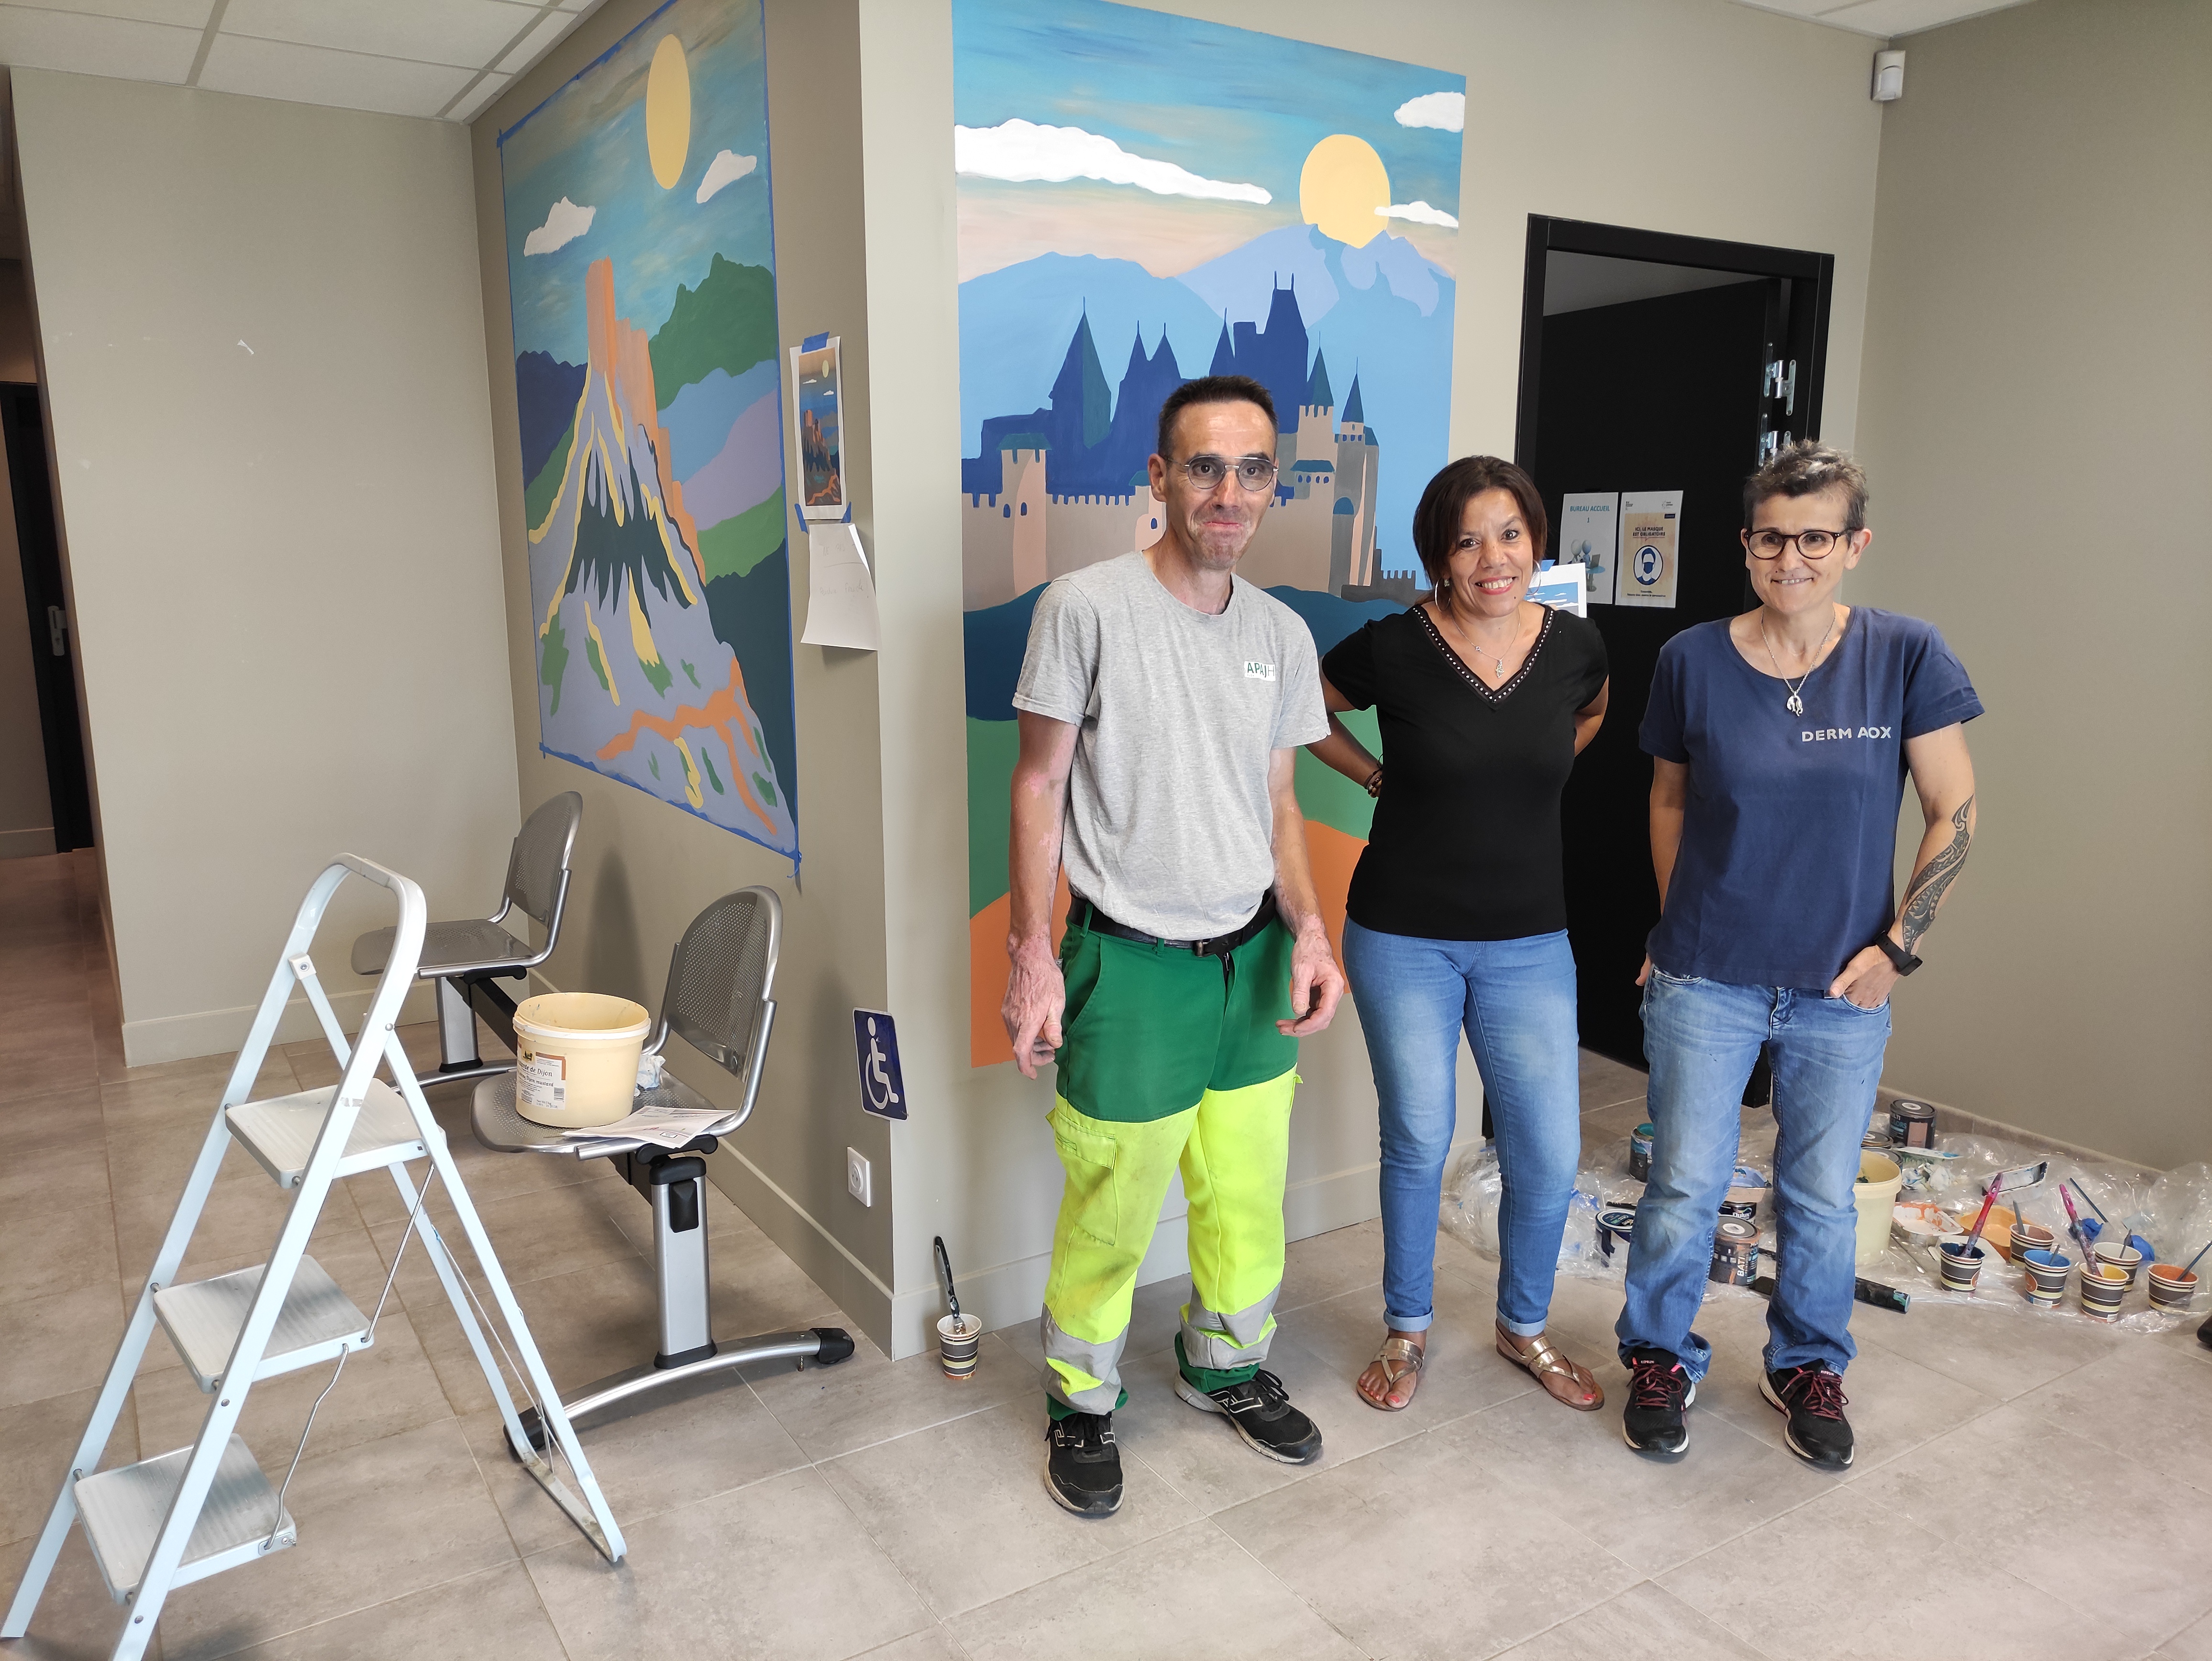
(1065, 486)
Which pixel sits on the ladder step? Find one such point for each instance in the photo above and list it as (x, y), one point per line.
(280, 1132)
(203, 1318)
(123, 1510)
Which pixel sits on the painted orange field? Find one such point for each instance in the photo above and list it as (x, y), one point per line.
(1333, 855)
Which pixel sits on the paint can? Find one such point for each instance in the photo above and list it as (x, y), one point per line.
(1615, 1227)
(1912, 1124)
(1747, 1195)
(1639, 1152)
(1736, 1252)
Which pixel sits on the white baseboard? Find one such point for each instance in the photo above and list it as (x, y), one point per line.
(221, 1031)
(27, 844)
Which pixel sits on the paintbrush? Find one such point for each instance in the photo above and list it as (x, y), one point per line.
(2201, 1250)
(944, 1276)
(1989, 1199)
(2079, 1229)
(2087, 1201)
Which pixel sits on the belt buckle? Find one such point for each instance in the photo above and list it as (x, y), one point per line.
(1204, 948)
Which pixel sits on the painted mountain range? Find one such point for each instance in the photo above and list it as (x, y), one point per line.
(658, 560)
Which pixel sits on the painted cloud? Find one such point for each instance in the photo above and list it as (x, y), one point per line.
(1023, 151)
(564, 223)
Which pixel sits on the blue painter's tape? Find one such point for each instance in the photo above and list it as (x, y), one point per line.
(814, 343)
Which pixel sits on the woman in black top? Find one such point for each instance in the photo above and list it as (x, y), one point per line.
(1457, 915)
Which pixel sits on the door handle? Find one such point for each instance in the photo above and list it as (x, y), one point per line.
(57, 630)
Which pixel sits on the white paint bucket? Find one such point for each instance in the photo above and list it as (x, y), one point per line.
(1875, 1195)
(575, 1061)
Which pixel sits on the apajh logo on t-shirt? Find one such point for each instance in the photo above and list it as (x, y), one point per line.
(1255, 670)
(1823, 734)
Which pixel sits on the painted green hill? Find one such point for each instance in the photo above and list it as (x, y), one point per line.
(726, 323)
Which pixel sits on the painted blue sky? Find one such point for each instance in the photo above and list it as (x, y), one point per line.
(1225, 103)
(586, 143)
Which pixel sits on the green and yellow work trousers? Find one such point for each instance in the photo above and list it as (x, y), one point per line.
(1169, 1059)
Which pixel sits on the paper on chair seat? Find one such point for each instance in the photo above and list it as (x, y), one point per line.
(662, 1127)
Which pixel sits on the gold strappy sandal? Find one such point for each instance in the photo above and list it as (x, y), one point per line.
(1565, 1381)
(1407, 1359)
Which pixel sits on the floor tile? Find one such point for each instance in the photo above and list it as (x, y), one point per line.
(694, 1582)
(867, 1399)
(1641, 1624)
(68, 1119)
(586, 1324)
(493, 1612)
(76, 1620)
(2142, 1400)
(687, 1442)
(50, 1346)
(930, 1644)
(1193, 1591)
(1607, 1083)
(1999, 1350)
(1329, 1265)
(2193, 1643)
(57, 1253)
(377, 1521)
(62, 1175)
(40, 1437)
(1463, 1372)
(1003, 1532)
(1428, 1547)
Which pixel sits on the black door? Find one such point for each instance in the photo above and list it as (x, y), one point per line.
(1673, 392)
(53, 645)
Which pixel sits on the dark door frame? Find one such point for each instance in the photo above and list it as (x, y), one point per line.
(1807, 331)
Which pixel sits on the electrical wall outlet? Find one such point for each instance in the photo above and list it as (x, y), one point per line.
(860, 1177)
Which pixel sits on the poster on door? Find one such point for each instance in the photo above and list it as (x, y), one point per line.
(1589, 535)
(1650, 547)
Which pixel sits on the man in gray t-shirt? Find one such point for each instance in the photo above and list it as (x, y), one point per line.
(1162, 704)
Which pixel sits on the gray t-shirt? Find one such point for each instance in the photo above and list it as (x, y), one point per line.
(1170, 829)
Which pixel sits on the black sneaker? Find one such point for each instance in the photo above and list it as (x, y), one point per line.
(1084, 1471)
(1656, 1421)
(1260, 1409)
(1812, 1398)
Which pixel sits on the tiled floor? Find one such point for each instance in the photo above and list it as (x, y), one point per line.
(2020, 1493)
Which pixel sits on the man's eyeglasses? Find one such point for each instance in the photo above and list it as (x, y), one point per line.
(1811, 544)
(1254, 474)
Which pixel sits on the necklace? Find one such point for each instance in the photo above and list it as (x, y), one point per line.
(1796, 704)
(1481, 650)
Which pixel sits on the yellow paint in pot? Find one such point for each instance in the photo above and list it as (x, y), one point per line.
(576, 1057)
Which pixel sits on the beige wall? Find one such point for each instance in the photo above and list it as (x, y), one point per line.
(1627, 111)
(2036, 425)
(264, 356)
(643, 870)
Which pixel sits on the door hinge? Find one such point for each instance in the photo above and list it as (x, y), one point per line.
(58, 630)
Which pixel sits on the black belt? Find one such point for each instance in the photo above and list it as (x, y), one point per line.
(1084, 914)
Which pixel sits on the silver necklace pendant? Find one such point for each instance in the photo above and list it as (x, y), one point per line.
(1796, 704)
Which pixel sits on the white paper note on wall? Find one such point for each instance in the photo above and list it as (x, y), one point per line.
(1650, 547)
(840, 596)
(1587, 534)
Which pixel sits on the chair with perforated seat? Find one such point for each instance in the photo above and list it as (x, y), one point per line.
(462, 958)
(719, 1000)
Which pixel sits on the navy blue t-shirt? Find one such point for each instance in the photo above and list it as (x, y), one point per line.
(1790, 837)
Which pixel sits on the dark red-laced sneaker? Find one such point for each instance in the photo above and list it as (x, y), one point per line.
(1656, 1421)
(1812, 1400)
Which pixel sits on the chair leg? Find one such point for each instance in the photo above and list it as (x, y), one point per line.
(679, 1254)
(456, 1030)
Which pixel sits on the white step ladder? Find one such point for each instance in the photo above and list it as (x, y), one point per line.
(180, 1517)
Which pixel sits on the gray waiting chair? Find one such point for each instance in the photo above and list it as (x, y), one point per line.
(718, 1001)
(462, 959)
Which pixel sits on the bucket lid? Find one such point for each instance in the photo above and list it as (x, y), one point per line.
(583, 1015)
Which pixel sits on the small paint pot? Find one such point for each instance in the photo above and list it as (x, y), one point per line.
(2124, 1258)
(1747, 1195)
(1615, 1228)
(1912, 1124)
(2102, 1287)
(2046, 1275)
(1639, 1152)
(1962, 1265)
(2030, 1236)
(958, 1339)
(2172, 1286)
(1735, 1253)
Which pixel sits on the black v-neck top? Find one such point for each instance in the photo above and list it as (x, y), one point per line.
(1466, 841)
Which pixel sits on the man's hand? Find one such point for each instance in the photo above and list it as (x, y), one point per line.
(1036, 994)
(1644, 973)
(1866, 980)
(1316, 983)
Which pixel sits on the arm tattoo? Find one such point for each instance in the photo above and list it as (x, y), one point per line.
(1925, 891)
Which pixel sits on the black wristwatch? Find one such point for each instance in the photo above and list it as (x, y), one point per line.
(1903, 961)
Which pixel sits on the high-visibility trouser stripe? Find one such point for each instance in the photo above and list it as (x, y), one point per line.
(1225, 1341)
(1087, 1377)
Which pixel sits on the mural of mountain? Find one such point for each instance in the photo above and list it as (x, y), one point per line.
(546, 389)
(726, 323)
(634, 678)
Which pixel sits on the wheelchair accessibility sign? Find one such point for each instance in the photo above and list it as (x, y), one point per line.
(882, 1092)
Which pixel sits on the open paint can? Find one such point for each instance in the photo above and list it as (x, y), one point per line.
(1639, 1152)
(1615, 1228)
(1736, 1252)
(1747, 1195)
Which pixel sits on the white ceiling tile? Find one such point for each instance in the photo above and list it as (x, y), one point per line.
(121, 48)
(1891, 18)
(478, 101)
(183, 14)
(467, 33)
(1806, 9)
(317, 75)
(539, 41)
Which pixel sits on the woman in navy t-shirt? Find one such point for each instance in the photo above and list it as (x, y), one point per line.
(1781, 743)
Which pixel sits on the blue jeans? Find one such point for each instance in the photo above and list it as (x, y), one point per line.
(1702, 1039)
(1516, 998)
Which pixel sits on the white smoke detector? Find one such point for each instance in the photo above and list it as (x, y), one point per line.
(1888, 76)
